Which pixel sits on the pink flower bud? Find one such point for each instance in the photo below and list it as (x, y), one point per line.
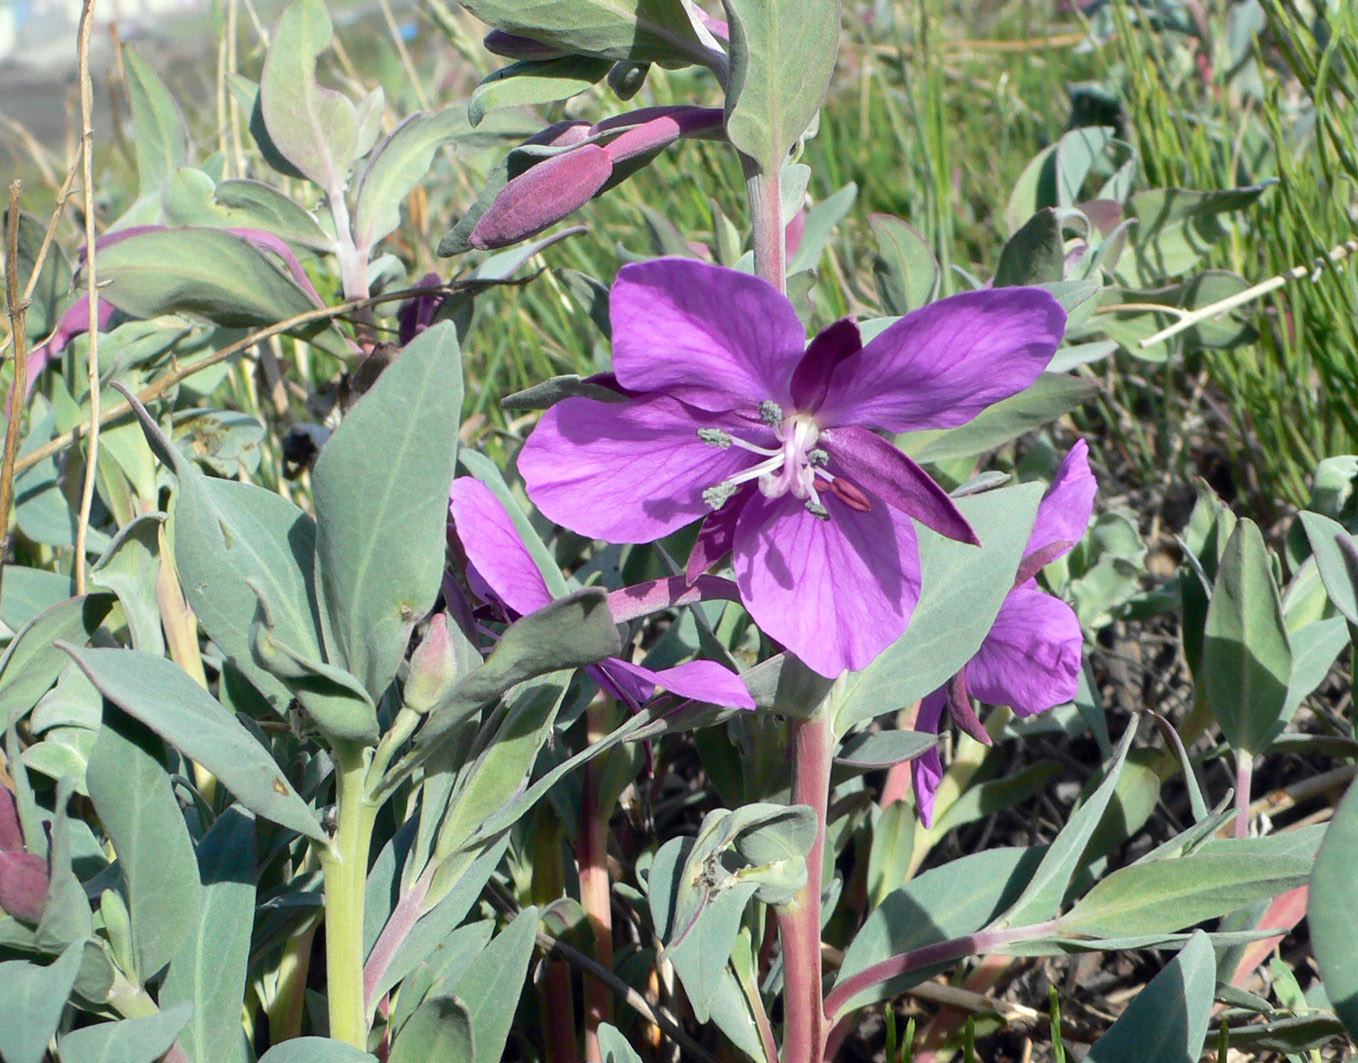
(433, 667)
(23, 885)
(540, 197)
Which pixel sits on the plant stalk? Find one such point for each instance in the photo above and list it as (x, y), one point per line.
(345, 863)
(804, 1024)
(766, 216)
(595, 889)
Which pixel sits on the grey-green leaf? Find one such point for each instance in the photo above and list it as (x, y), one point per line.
(535, 81)
(440, 1029)
(963, 588)
(639, 30)
(905, 269)
(315, 129)
(1338, 566)
(1246, 654)
(142, 1040)
(396, 166)
(1334, 899)
(492, 983)
(381, 495)
(130, 790)
(782, 58)
(209, 970)
(160, 694)
(30, 1006)
(1167, 1022)
(31, 664)
(315, 1050)
(162, 140)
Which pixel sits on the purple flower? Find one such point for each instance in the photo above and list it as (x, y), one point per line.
(1030, 661)
(500, 569)
(732, 417)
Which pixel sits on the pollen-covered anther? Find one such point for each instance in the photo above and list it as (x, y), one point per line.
(818, 457)
(718, 495)
(851, 494)
(817, 510)
(715, 437)
(770, 413)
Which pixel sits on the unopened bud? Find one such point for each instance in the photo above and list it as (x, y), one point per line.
(512, 46)
(433, 666)
(542, 196)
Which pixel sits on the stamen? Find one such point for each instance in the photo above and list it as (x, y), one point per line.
(818, 456)
(715, 437)
(768, 452)
(851, 494)
(817, 510)
(770, 413)
(718, 496)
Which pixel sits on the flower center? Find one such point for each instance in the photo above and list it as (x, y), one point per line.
(792, 466)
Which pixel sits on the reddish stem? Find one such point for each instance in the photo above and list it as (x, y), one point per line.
(406, 914)
(804, 1025)
(595, 891)
(1244, 781)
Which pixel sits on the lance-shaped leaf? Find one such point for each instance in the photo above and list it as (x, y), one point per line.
(1169, 895)
(570, 633)
(236, 544)
(31, 1005)
(140, 1040)
(963, 588)
(31, 664)
(782, 58)
(1246, 653)
(440, 1028)
(210, 967)
(315, 129)
(492, 980)
(640, 30)
(1042, 896)
(130, 790)
(130, 569)
(532, 82)
(381, 495)
(1334, 899)
(396, 166)
(161, 695)
(162, 140)
(210, 273)
(1167, 1021)
(315, 1050)
(1337, 560)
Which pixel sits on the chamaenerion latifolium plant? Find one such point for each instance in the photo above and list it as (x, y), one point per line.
(349, 729)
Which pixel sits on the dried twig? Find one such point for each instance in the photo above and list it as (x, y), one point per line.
(169, 380)
(92, 356)
(17, 305)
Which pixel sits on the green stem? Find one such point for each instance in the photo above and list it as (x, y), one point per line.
(345, 863)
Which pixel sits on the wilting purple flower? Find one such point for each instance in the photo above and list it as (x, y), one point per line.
(500, 569)
(417, 314)
(732, 417)
(561, 184)
(1030, 661)
(24, 877)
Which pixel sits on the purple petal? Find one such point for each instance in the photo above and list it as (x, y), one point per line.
(705, 681)
(417, 314)
(11, 833)
(926, 770)
(23, 885)
(495, 549)
(1064, 512)
(543, 195)
(835, 592)
(716, 338)
(811, 378)
(941, 365)
(716, 535)
(628, 472)
(873, 463)
(1030, 661)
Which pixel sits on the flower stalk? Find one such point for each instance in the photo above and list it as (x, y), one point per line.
(595, 891)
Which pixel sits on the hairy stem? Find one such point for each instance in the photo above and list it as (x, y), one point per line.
(1244, 781)
(345, 863)
(804, 1025)
(764, 191)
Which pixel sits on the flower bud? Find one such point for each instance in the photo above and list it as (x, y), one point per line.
(23, 885)
(512, 46)
(542, 196)
(433, 666)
